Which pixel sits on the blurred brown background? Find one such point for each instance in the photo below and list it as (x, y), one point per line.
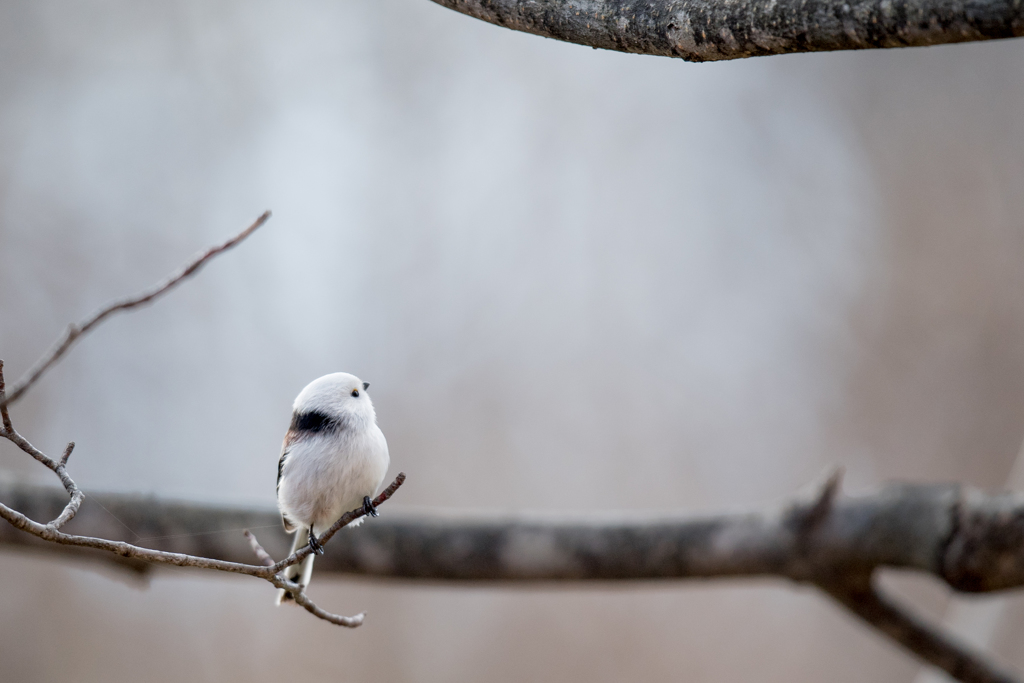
(577, 281)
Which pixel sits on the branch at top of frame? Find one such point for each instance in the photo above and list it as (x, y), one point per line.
(709, 30)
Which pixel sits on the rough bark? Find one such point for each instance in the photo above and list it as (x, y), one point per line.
(969, 539)
(706, 30)
(972, 541)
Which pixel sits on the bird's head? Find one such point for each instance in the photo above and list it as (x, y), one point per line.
(332, 401)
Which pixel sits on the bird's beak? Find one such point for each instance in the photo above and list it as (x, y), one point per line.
(366, 385)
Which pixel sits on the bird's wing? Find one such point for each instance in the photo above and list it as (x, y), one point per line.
(290, 437)
(280, 468)
(286, 449)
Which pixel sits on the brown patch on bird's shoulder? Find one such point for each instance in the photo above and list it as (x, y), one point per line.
(290, 437)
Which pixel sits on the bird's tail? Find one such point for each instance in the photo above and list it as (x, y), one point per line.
(303, 570)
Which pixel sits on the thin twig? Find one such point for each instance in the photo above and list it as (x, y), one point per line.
(343, 521)
(261, 554)
(71, 509)
(74, 332)
(269, 572)
(67, 453)
(352, 516)
(51, 532)
(295, 590)
(23, 443)
(123, 549)
(8, 427)
(126, 549)
(303, 600)
(9, 433)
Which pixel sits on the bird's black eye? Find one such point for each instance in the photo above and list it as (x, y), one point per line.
(355, 392)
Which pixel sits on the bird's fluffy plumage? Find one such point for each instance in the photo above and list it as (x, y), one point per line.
(334, 455)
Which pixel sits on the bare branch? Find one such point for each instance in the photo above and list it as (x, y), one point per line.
(807, 514)
(51, 532)
(706, 30)
(74, 332)
(123, 549)
(303, 600)
(945, 530)
(67, 453)
(295, 590)
(345, 520)
(23, 443)
(352, 516)
(970, 540)
(973, 541)
(927, 642)
(270, 572)
(5, 417)
(261, 554)
(131, 552)
(58, 467)
(71, 509)
(73, 505)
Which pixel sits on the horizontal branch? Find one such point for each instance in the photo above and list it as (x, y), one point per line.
(706, 30)
(972, 541)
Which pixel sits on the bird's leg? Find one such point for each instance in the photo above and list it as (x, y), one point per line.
(314, 544)
(369, 508)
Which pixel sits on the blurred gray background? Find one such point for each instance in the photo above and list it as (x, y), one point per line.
(577, 281)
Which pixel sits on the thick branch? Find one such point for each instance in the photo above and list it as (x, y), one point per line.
(947, 653)
(705, 30)
(74, 332)
(972, 541)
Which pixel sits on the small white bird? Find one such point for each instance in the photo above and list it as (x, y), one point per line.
(333, 460)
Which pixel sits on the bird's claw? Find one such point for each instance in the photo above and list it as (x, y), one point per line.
(369, 508)
(314, 544)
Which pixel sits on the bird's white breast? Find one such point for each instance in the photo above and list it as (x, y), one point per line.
(326, 475)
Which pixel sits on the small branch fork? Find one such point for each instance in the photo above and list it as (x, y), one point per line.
(295, 590)
(270, 570)
(857, 592)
